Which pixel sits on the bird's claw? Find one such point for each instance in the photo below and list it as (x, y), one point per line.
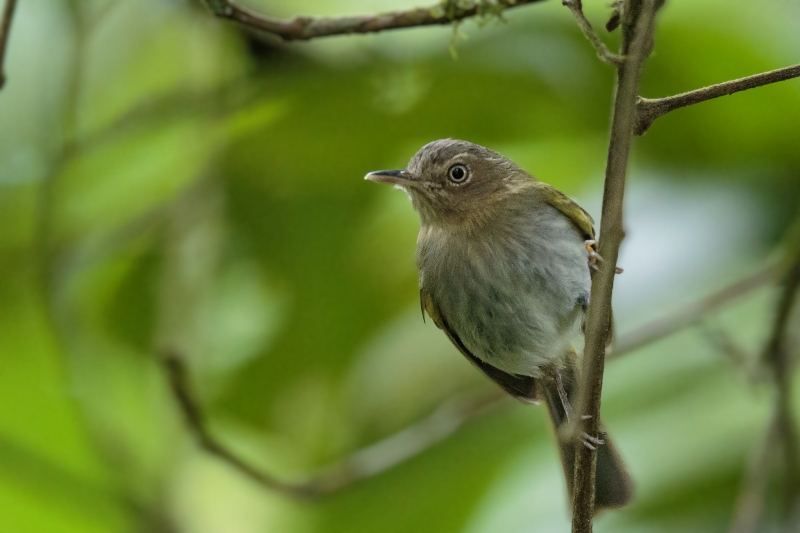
(592, 442)
(594, 257)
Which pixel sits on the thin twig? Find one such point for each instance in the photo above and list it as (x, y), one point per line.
(603, 53)
(720, 339)
(305, 28)
(691, 314)
(363, 464)
(637, 28)
(5, 31)
(195, 419)
(413, 440)
(778, 355)
(649, 109)
(409, 442)
(749, 508)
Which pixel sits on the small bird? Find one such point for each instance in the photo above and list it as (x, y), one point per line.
(505, 266)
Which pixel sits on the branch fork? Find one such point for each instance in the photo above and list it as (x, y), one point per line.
(649, 109)
(603, 53)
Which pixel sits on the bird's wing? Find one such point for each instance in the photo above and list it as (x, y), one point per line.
(573, 211)
(523, 388)
(583, 221)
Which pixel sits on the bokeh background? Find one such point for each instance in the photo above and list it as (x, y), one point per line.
(171, 181)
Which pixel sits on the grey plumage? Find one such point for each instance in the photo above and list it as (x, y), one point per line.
(515, 291)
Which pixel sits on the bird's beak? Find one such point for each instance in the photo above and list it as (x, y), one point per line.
(395, 177)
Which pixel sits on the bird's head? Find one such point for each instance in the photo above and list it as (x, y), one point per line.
(456, 182)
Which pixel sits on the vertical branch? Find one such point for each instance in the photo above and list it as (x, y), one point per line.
(782, 432)
(46, 247)
(636, 45)
(749, 508)
(778, 355)
(5, 31)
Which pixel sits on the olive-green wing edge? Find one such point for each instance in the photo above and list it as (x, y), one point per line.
(582, 220)
(523, 388)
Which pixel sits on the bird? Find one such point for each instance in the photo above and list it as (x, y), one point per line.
(505, 264)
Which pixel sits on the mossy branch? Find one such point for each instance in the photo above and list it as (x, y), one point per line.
(306, 28)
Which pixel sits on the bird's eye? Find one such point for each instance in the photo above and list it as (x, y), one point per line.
(458, 173)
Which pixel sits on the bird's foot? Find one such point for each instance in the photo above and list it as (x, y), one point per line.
(595, 258)
(592, 442)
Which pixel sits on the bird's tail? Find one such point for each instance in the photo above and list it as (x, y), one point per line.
(613, 486)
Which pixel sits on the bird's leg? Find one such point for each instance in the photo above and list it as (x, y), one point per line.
(588, 441)
(562, 394)
(594, 257)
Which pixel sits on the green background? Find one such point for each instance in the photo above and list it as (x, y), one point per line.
(169, 181)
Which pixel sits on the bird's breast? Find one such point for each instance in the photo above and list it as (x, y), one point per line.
(512, 295)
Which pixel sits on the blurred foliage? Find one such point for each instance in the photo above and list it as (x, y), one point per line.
(171, 181)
